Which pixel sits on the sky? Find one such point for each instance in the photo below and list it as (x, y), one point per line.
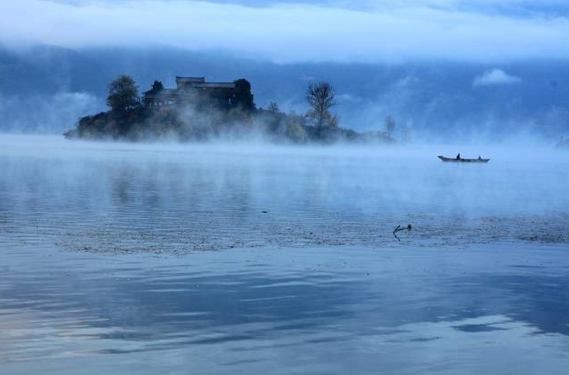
(301, 31)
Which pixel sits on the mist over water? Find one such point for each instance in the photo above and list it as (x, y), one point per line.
(252, 258)
(175, 197)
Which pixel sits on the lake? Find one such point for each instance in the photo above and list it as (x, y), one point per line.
(251, 258)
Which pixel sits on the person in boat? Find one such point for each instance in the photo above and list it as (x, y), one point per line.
(458, 156)
(479, 157)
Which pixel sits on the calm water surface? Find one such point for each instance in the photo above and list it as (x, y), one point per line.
(221, 260)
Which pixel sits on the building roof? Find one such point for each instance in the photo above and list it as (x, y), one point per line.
(221, 85)
(199, 82)
(190, 79)
(185, 84)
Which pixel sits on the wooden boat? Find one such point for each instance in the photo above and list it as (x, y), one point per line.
(463, 160)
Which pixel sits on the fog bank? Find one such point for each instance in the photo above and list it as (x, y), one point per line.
(443, 101)
(375, 32)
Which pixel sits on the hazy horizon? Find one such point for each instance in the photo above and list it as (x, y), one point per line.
(47, 89)
(445, 69)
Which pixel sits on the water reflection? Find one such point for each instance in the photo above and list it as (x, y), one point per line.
(306, 310)
(101, 268)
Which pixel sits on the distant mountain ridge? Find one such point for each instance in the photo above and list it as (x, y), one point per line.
(47, 87)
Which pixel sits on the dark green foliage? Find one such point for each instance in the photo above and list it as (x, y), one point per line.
(123, 94)
(243, 98)
(157, 86)
(281, 127)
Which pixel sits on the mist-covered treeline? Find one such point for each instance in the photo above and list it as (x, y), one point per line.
(437, 99)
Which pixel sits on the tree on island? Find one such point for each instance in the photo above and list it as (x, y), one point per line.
(243, 98)
(157, 86)
(273, 107)
(123, 94)
(389, 126)
(321, 97)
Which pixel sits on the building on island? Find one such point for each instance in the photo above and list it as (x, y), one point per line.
(192, 90)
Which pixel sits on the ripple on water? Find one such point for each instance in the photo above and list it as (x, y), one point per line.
(249, 309)
(312, 284)
(140, 200)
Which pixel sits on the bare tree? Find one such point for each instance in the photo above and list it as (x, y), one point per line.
(389, 126)
(273, 107)
(321, 97)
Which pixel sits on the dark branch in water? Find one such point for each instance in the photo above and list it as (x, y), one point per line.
(399, 229)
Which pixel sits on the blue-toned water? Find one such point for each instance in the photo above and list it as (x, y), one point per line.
(220, 259)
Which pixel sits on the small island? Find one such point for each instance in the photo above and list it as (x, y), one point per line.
(198, 110)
